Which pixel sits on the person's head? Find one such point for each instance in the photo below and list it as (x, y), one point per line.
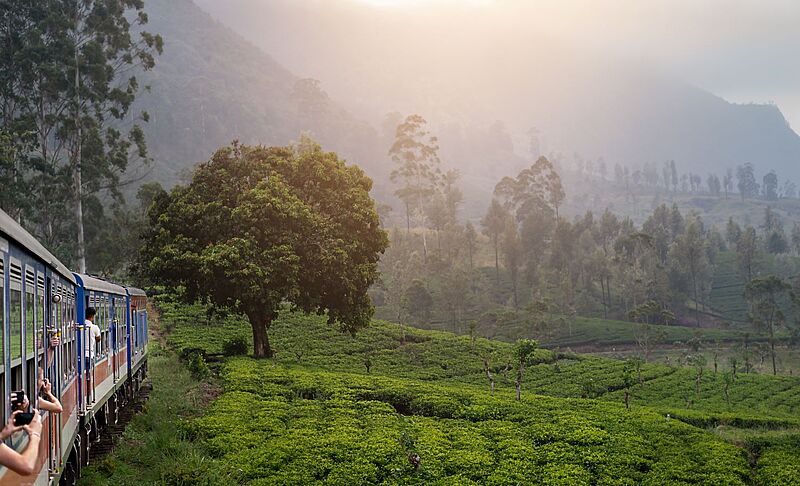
(90, 313)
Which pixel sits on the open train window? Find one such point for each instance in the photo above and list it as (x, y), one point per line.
(30, 312)
(15, 324)
(2, 332)
(31, 307)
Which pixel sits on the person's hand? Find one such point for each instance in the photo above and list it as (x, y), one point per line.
(47, 386)
(35, 427)
(24, 405)
(10, 429)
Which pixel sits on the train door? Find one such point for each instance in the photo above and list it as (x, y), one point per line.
(112, 330)
(87, 340)
(4, 321)
(52, 338)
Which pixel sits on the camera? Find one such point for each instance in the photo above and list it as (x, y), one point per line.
(18, 400)
(23, 418)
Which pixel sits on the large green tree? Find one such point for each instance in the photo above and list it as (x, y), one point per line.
(259, 226)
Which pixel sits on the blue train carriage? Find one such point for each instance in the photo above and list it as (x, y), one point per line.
(37, 308)
(137, 338)
(115, 366)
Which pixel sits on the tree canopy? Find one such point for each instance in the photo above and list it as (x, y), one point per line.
(259, 226)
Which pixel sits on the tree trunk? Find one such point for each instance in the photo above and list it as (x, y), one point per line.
(408, 219)
(489, 375)
(603, 292)
(496, 262)
(78, 179)
(261, 347)
(514, 289)
(696, 310)
(772, 349)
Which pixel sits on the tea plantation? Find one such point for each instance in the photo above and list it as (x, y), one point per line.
(395, 405)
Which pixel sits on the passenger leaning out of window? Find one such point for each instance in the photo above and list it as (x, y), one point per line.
(23, 463)
(47, 401)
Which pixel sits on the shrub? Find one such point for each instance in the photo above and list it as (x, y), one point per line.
(187, 354)
(197, 366)
(235, 346)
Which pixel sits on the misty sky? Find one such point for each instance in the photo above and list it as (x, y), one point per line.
(744, 51)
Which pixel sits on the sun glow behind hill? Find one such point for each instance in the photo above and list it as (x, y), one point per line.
(423, 3)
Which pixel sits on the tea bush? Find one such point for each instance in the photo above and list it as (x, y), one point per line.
(287, 425)
(344, 409)
(235, 346)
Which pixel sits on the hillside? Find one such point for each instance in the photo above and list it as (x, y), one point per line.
(211, 86)
(583, 100)
(404, 406)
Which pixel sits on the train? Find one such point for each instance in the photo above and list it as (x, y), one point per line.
(43, 307)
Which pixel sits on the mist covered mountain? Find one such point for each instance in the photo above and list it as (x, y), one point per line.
(496, 98)
(465, 68)
(211, 86)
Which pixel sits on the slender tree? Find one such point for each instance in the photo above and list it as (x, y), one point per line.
(494, 223)
(689, 252)
(471, 242)
(747, 253)
(523, 353)
(511, 248)
(415, 152)
(765, 295)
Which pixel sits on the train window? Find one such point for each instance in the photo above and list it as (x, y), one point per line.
(2, 318)
(30, 312)
(41, 329)
(2, 348)
(15, 310)
(104, 327)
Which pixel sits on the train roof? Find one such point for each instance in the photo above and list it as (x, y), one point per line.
(137, 292)
(17, 233)
(99, 285)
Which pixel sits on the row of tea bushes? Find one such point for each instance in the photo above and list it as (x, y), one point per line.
(288, 425)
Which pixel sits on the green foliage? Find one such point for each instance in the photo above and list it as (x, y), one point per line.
(325, 419)
(68, 87)
(779, 466)
(366, 427)
(157, 447)
(197, 366)
(235, 346)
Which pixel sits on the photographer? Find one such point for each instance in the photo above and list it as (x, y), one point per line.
(47, 401)
(21, 463)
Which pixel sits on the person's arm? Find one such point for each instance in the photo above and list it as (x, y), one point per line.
(25, 463)
(51, 403)
(96, 332)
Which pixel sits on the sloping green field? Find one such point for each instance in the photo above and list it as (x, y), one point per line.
(338, 409)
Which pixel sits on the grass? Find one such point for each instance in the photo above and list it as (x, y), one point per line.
(155, 448)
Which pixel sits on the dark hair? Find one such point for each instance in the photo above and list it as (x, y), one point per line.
(90, 312)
